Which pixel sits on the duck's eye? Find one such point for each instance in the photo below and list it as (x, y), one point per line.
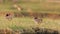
(7, 14)
(35, 17)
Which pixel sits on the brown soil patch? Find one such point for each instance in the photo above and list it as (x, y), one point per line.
(46, 15)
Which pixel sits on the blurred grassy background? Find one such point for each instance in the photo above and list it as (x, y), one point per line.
(35, 5)
(27, 22)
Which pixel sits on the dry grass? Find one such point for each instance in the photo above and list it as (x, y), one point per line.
(24, 21)
(27, 22)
